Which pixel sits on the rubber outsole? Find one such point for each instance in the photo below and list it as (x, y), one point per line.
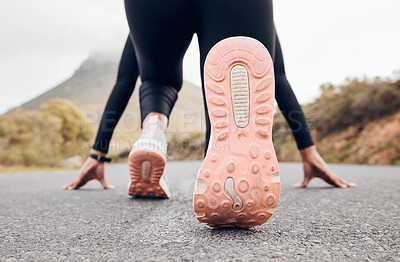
(146, 168)
(238, 184)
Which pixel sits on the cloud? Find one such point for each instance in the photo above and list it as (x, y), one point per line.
(42, 42)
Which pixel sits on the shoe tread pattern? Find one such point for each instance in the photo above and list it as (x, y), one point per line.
(151, 187)
(244, 153)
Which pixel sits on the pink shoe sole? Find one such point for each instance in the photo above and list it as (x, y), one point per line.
(238, 184)
(146, 168)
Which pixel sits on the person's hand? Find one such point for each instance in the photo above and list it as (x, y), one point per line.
(91, 170)
(314, 166)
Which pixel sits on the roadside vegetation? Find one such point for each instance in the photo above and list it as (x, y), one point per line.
(355, 102)
(43, 137)
(356, 122)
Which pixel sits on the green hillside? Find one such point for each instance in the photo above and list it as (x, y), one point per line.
(355, 122)
(90, 87)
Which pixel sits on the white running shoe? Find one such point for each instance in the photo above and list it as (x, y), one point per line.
(147, 160)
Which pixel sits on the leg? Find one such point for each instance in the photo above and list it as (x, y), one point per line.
(238, 183)
(218, 20)
(161, 33)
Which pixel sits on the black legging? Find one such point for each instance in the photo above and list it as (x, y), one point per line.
(128, 73)
(162, 31)
(161, 41)
(288, 103)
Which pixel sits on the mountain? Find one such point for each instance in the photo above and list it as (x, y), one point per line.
(355, 122)
(90, 86)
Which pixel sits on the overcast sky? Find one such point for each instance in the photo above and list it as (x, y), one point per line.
(42, 42)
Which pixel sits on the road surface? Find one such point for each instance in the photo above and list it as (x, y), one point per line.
(40, 222)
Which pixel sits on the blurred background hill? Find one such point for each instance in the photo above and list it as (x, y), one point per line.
(355, 122)
(91, 84)
(89, 87)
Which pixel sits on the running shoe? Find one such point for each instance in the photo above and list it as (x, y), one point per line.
(238, 184)
(147, 161)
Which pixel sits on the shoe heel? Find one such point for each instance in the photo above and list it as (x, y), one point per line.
(238, 184)
(146, 168)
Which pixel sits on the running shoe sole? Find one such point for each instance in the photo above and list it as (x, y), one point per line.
(146, 168)
(238, 184)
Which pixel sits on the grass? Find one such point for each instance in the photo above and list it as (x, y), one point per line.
(34, 169)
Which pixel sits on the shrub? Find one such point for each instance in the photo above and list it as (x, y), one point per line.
(43, 138)
(355, 102)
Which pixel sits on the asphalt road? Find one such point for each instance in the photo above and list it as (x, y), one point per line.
(40, 222)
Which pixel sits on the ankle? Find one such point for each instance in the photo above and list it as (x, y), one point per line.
(154, 118)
